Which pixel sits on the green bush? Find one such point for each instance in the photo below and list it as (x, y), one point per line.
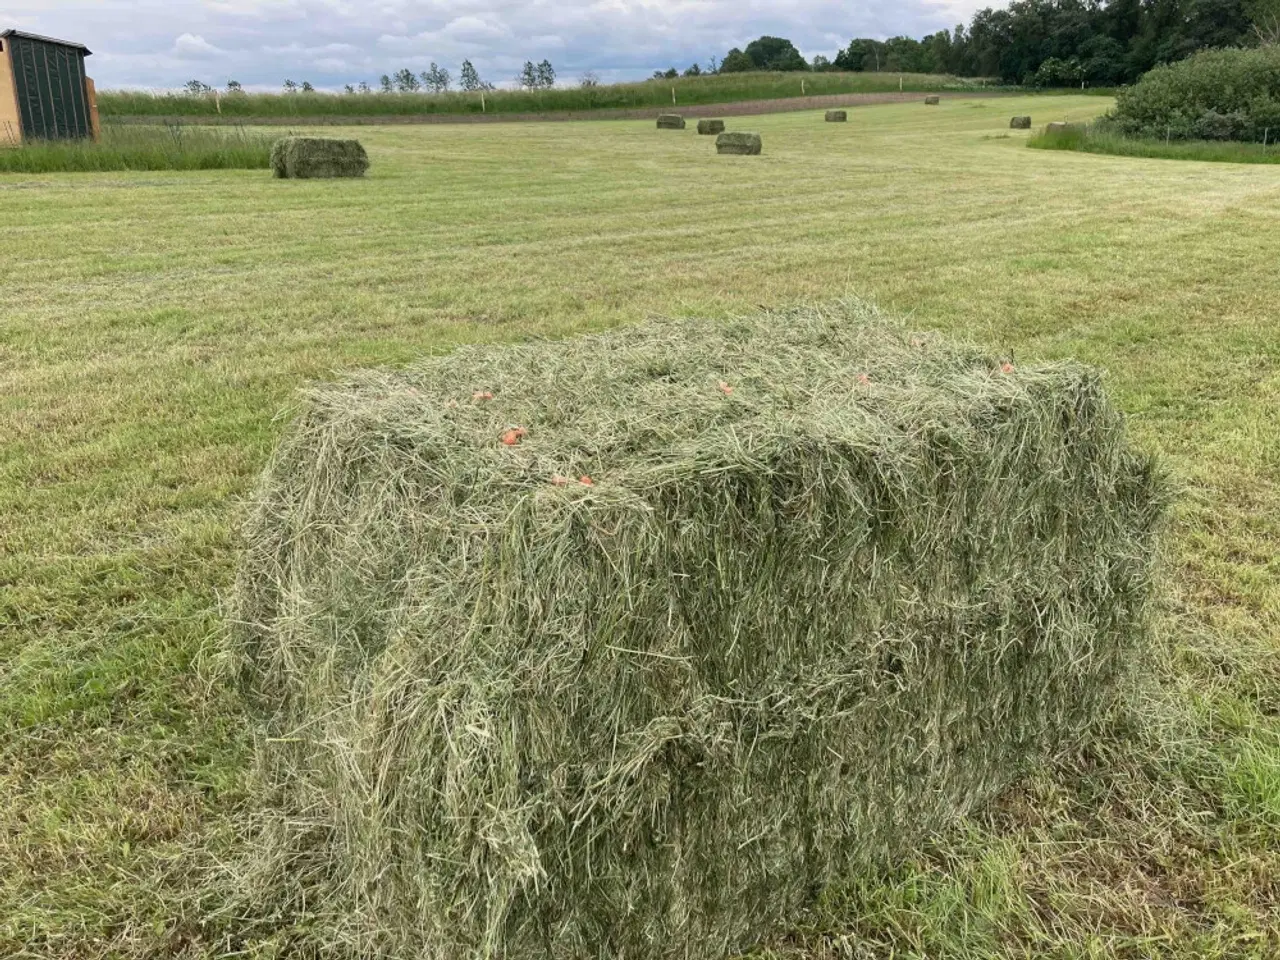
(1214, 95)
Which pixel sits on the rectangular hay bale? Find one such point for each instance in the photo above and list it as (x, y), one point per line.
(631, 645)
(1020, 123)
(670, 121)
(706, 127)
(932, 101)
(306, 158)
(837, 116)
(742, 144)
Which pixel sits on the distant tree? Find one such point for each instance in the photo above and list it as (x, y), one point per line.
(407, 81)
(469, 78)
(1264, 15)
(307, 87)
(197, 88)
(363, 87)
(290, 87)
(528, 76)
(233, 86)
(775, 53)
(693, 71)
(819, 64)
(860, 55)
(546, 75)
(735, 61)
(671, 73)
(385, 84)
(348, 89)
(713, 65)
(588, 79)
(436, 79)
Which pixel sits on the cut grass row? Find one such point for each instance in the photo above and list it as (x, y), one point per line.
(681, 91)
(154, 324)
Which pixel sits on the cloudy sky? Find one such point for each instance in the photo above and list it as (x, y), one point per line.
(164, 43)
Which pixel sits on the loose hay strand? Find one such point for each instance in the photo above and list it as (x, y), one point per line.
(789, 627)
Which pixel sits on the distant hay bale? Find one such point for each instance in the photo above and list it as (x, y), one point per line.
(710, 126)
(932, 101)
(837, 116)
(631, 645)
(315, 157)
(670, 121)
(1020, 123)
(744, 144)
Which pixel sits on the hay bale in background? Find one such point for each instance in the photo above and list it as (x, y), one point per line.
(670, 121)
(710, 126)
(932, 101)
(316, 157)
(837, 116)
(743, 144)
(827, 588)
(1020, 123)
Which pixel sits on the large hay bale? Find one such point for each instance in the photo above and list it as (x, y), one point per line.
(837, 116)
(1020, 123)
(706, 127)
(670, 121)
(318, 157)
(744, 144)
(932, 101)
(631, 645)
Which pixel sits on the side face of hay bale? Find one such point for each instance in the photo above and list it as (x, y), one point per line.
(828, 588)
(318, 157)
(279, 163)
(1020, 123)
(710, 126)
(932, 101)
(670, 121)
(743, 144)
(837, 116)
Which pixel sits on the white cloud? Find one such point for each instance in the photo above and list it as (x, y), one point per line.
(194, 47)
(332, 42)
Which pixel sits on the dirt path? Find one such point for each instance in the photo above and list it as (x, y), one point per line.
(741, 109)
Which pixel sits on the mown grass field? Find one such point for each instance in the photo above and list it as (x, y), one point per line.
(155, 325)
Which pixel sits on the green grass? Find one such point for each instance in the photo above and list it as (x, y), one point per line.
(144, 147)
(1096, 139)
(689, 91)
(156, 323)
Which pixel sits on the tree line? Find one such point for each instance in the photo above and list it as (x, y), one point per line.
(1046, 43)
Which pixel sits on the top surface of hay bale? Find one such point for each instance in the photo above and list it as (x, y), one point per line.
(931, 101)
(671, 121)
(1020, 123)
(633, 643)
(837, 116)
(318, 157)
(746, 144)
(710, 126)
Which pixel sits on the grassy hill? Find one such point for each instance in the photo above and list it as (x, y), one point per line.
(682, 91)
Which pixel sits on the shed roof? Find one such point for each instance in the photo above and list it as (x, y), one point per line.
(35, 36)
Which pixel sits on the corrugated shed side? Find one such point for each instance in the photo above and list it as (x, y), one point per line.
(51, 91)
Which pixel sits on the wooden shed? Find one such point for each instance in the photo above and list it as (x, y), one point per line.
(44, 93)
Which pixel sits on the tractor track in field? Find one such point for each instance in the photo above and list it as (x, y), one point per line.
(744, 108)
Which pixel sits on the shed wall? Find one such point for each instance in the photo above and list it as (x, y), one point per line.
(10, 119)
(52, 98)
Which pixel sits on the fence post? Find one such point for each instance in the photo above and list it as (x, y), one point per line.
(673, 94)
